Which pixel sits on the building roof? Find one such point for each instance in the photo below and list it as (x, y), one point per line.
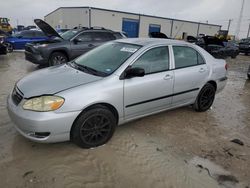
(134, 14)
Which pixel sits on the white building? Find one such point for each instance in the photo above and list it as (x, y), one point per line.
(135, 25)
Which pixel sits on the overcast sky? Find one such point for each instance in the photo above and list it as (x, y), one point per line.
(213, 11)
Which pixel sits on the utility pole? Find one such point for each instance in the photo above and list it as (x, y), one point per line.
(248, 31)
(229, 23)
(237, 32)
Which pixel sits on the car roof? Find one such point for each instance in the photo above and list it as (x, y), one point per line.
(151, 41)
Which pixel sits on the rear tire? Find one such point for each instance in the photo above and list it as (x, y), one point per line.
(205, 98)
(57, 58)
(10, 47)
(93, 127)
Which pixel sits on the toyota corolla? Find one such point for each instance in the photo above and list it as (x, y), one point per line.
(85, 99)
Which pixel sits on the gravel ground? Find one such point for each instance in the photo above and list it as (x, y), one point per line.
(179, 148)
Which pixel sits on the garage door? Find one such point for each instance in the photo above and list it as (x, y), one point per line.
(154, 28)
(131, 27)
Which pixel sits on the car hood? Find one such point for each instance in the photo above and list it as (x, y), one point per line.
(52, 80)
(46, 28)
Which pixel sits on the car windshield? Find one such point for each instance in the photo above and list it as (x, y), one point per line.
(69, 34)
(107, 58)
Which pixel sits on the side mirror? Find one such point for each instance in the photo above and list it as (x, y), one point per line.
(134, 72)
(76, 40)
(19, 37)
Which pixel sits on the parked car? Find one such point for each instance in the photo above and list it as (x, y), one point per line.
(17, 41)
(218, 48)
(244, 46)
(85, 99)
(30, 27)
(157, 35)
(191, 39)
(3, 48)
(66, 46)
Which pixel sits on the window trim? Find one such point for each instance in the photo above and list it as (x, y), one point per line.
(179, 45)
(145, 51)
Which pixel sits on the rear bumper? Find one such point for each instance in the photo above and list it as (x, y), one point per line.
(221, 83)
(32, 124)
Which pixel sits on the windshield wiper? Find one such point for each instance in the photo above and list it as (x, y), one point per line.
(87, 69)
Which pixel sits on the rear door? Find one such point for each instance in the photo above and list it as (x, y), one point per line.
(152, 92)
(190, 74)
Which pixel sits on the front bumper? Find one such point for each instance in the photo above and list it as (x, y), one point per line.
(221, 83)
(28, 123)
(35, 58)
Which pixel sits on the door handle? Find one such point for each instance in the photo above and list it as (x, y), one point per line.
(202, 70)
(168, 77)
(91, 45)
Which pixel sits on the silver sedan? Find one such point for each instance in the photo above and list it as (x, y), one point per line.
(85, 99)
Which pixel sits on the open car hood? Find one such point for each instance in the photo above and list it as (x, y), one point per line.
(46, 28)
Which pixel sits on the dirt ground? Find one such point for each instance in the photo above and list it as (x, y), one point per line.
(179, 148)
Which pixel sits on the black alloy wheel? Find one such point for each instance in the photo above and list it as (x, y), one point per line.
(58, 58)
(205, 98)
(93, 128)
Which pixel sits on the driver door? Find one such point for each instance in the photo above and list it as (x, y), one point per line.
(152, 92)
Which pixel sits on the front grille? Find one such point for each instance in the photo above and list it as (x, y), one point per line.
(17, 97)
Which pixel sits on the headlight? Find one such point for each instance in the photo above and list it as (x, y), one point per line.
(41, 45)
(44, 103)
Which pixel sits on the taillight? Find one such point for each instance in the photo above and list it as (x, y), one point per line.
(226, 66)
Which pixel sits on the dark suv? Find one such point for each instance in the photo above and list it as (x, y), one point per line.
(244, 46)
(67, 46)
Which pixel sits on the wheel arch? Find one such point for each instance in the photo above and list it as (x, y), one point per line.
(61, 51)
(213, 83)
(102, 104)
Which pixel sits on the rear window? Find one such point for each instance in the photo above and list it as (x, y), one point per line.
(186, 57)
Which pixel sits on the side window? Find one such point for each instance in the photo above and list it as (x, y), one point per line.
(103, 36)
(186, 57)
(154, 60)
(28, 34)
(85, 37)
(39, 34)
(200, 59)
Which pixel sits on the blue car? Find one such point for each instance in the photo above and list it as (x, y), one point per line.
(17, 41)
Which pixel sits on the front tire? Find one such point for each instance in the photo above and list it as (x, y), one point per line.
(205, 98)
(57, 58)
(9, 47)
(93, 127)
